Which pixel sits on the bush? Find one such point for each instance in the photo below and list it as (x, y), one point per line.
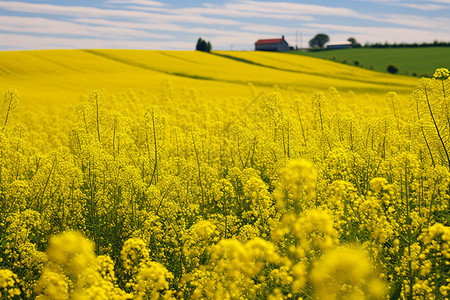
(203, 45)
(392, 69)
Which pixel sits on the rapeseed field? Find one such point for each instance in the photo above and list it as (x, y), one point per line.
(233, 175)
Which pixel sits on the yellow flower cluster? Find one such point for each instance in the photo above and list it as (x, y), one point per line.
(345, 273)
(72, 271)
(441, 73)
(9, 284)
(134, 253)
(151, 280)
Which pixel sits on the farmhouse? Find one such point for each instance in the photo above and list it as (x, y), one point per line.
(339, 46)
(274, 45)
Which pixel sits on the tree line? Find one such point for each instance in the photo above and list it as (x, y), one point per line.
(407, 45)
(319, 41)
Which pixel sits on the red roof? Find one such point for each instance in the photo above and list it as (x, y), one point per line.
(269, 41)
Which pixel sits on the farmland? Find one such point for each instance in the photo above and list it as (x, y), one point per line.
(130, 174)
(419, 61)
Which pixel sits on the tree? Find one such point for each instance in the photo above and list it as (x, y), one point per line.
(319, 41)
(202, 45)
(355, 44)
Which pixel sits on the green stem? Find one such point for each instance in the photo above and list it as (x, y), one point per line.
(437, 129)
(7, 113)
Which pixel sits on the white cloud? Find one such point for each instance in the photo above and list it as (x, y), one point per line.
(54, 27)
(84, 11)
(383, 34)
(139, 2)
(267, 28)
(290, 8)
(133, 25)
(416, 21)
(231, 11)
(409, 20)
(424, 6)
(441, 1)
(155, 26)
(61, 10)
(17, 41)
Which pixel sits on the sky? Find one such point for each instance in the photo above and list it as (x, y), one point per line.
(227, 24)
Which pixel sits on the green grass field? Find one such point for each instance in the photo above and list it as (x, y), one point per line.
(410, 61)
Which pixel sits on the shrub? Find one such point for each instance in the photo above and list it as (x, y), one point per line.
(393, 69)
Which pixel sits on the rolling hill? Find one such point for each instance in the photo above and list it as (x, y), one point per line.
(62, 74)
(54, 82)
(410, 61)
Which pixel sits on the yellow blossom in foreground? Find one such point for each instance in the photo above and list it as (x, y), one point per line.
(9, 288)
(133, 253)
(72, 253)
(152, 279)
(345, 273)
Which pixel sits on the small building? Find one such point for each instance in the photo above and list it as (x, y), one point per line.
(339, 46)
(274, 45)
